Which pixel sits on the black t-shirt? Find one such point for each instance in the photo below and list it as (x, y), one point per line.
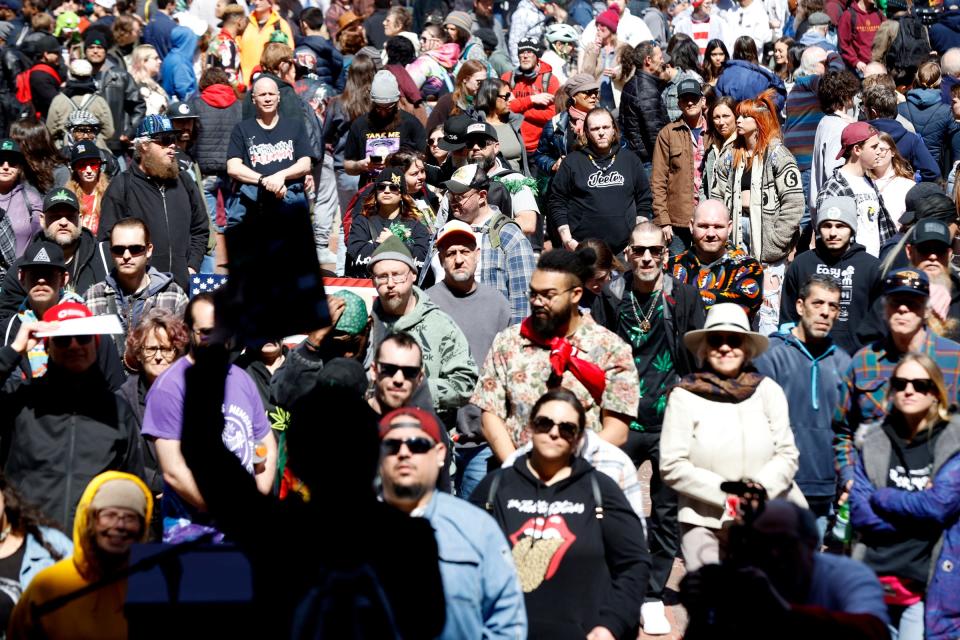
(10, 582)
(365, 139)
(651, 354)
(267, 151)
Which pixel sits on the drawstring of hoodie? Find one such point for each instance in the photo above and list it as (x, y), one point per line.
(814, 371)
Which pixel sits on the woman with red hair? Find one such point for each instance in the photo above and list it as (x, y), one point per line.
(760, 183)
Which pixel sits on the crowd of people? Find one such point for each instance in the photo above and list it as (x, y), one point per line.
(716, 238)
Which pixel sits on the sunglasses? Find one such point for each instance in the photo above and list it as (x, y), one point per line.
(592, 92)
(88, 166)
(165, 139)
(417, 446)
(505, 96)
(135, 249)
(717, 340)
(543, 424)
(388, 370)
(655, 251)
(435, 141)
(388, 188)
(64, 341)
(920, 385)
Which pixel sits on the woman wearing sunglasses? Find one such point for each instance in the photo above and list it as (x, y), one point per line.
(89, 182)
(575, 99)
(724, 423)
(905, 492)
(387, 210)
(577, 544)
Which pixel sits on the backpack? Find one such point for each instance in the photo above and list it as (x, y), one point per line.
(68, 140)
(911, 47)
(24, 95)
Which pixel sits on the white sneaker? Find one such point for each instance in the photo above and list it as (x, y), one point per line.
(654, 619)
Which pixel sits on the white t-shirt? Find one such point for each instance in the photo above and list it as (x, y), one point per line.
(868, 214)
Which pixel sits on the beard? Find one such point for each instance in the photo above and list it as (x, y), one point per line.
(394, 306)
(160, 168)
(409, 491)
(74, 237)
(547, 324)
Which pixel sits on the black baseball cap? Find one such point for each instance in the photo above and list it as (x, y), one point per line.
(9, 147)
(43, 254)
(931, 231)
(84, 151)
(180, 111)
(454, 132)
(912, 281)
(481, 129)
(61, 196)
(689, 87)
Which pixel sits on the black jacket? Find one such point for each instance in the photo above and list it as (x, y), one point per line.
(599, 569)
(43, 89)
(92, 263)
(134, 391)
(173, 210)
(214, 127)
(642, 113)
(858, 274)
(61, 430)
(122, 93)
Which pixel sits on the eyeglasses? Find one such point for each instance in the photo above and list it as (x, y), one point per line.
(397, 278)
(388, 370)
(655, 250)
(435, 141)
(454, 198)
(416, 446)
(110, 517)
(64, 341)
(387, 187)
(135, 250)
(548, 297)
(717, 340)
(165, 139)
(920, 385)
(93, 165)
(504, 96)
(543, 424)
(166, 352)
(883, 150)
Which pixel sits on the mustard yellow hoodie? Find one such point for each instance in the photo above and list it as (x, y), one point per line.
(97, 615)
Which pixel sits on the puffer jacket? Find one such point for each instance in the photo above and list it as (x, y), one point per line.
(556, 141)
(218, 111)
(329, 60)
(933, 121)
(122, 93)
(534, 116)
(642, 113)
(178, 78)
(742, 80)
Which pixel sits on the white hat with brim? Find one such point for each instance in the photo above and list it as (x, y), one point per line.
(726, 317)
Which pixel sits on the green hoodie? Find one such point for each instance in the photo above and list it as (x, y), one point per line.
(451, 371)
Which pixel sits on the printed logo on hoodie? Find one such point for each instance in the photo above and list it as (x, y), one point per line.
(845, 278)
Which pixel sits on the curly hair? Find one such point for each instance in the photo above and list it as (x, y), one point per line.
(25, 518)
(38, 151)
(408, 208)
(155, 319)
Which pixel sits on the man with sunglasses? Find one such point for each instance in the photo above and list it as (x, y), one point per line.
(863, 397)
(481, 589)
(68, 426)
(132, 288)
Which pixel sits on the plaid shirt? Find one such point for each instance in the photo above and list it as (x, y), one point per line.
(736, 277)
(509, 267)
(839, 186)
(863, 396)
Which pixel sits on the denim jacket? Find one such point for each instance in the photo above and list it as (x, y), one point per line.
(36, 558)
(480, 583)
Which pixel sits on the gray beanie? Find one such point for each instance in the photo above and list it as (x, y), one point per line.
(385, 89)
(393, 249)
(840, 208)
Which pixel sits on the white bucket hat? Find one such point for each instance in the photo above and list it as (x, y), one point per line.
(726, 317)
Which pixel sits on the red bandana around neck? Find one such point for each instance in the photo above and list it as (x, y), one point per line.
(563, 357)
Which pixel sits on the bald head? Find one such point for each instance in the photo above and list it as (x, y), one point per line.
(266, 96)
(950, 62)
(710, 229)
(711, 209)
(874, 69)
(812, 61)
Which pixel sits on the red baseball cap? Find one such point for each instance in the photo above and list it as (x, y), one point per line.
(428, 422)
(67, 311)
(855, 133)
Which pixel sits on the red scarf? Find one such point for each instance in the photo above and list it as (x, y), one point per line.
(563, 357)
(576, 119)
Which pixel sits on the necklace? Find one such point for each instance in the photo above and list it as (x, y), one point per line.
(599, 168)
(637, 311)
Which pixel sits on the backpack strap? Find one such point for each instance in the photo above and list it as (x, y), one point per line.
(545, 80)
(494, 228)
(597, 496)
(492, 494)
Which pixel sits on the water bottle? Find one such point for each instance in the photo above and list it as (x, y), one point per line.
(841, 528)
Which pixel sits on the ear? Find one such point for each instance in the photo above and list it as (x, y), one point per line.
(149, 250)
(911, 252)
(799, 306)
(441, 454)
(577, 294)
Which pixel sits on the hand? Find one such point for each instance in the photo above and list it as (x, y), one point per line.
(571, 244)
(191, 271)
(600, 633)
(335, 306)
(556, 165)
(611, 71)
(845, 494)
(282, 193)
(386, 233)
(373, 165)
(542, 99)
(939, 300)
(26, 337)
(273, 183)
(124, 139)
(861, 66)
(667, 234)
(308, 184)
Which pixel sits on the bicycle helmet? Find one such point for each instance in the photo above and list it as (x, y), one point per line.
(82, 118)
(561, 33)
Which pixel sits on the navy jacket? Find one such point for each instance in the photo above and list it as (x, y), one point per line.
(329, 60)
(911, 147)
(742, 80)
(933, 122)
(813, 386)
(945, 33)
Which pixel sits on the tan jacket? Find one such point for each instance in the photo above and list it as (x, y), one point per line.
(671, 181)
(705, 442)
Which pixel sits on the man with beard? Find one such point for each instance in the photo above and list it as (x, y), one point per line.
(171, 204)
(651, 311)
(481, 589)
(557, 346)
(118, 88)
(837, 255)
(533, 86)
(600, 191)
(246, 432)
(383, 131)
(930, 249)
(805, 361)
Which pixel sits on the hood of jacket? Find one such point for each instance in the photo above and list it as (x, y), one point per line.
(578, 468)
(79, 87)
(924, 98)
(852, 252)
(219, 96)
(159, 281)
(183, 41)
(84, 556)
(889, 125)
(446, 54)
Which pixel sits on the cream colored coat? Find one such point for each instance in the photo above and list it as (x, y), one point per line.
(705, 443)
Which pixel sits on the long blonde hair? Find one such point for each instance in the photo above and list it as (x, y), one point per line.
(137, 60)
(940, 409)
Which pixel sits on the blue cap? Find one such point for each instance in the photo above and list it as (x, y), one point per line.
(912, 281)
(13, 5)
(154, 125)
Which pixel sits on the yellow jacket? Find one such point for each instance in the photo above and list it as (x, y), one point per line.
(255, 38)
(97, 615)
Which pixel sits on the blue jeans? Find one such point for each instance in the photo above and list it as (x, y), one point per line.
(906, 622)
(218, 184)
(471, 468)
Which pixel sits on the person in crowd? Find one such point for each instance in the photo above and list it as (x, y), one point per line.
(341, 112)
(561, 40)
(816, 35)
(743, 78)
(599, 191)
(529, 21)
(598, 58)
(126, 32)
(246, 431)
(604, 269)
(856, 29)
(533, 87)
(904, 452)
(892, 176)
(388, 211)
(262, 22)
(651, 310)
(83, 126)
(749, 18)
(223, 52)
(44, 77)
(350, 38)
(708, 29)
(399, 380)
(89, 182)
(612, 563)
(483, 595)
(864, 398)
(119, 89)
(677, 161)
(838, 255)
(747, 435)
(278, 63)
(466, 83)
(21, 204)
(432, 69)
(682, 66)
(721, 122)
(110, 436)
(721, 271)
(170, 204)
(459, 27)
(782, 65)
(412, 164)
(879, 103)
(806, 362)
(803, 114)
(930, 248)
(714, 56)
(132, 288)
(145, 69)
(157, 31)
(924, 201)
(493, 99)
(562, 133)
(836, 91)
(932, 120)
(527, 359)
(113, 514)
(858, 148)
(178, 77)
(642, 113)
(78, 93)
(43, 167)
(762, 190)
(402, 306)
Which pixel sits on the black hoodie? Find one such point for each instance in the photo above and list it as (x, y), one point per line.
(857, 273)
(592, 571)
